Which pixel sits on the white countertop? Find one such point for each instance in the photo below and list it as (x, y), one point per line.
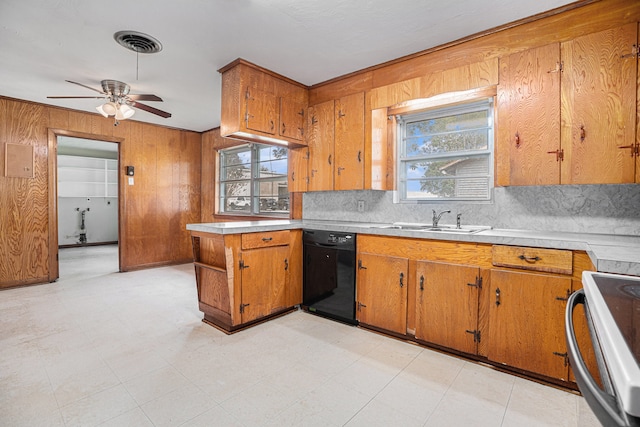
(609, 253)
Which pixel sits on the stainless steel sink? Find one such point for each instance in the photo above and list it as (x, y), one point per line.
(443, 228)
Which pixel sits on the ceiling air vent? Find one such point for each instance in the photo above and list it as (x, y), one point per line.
(138, 42)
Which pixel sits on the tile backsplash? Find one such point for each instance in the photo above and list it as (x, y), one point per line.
(608, 209)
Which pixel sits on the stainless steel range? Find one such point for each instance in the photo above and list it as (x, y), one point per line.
(612, 307)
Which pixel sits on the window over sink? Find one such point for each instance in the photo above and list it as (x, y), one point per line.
(253, 181)
(446, 153)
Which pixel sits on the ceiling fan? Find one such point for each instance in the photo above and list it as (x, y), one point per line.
(119, 100)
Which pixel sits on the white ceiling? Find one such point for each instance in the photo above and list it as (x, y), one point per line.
(45, 42)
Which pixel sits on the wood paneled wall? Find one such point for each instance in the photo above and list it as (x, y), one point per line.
(154, 211)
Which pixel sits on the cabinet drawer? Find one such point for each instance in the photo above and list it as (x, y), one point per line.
(266, 239)
(550, 260)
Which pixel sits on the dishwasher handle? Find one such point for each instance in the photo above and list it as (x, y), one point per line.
(605, 406)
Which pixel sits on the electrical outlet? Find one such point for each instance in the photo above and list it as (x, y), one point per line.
(360, 205)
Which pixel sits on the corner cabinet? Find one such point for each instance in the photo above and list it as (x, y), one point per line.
(261, 106)
(245, 278)
(562, 119)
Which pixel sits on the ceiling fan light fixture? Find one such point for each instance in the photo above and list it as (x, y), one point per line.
(108, 109)
(124, 112)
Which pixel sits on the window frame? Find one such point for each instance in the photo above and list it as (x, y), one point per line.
(253, 182)
(405, 116)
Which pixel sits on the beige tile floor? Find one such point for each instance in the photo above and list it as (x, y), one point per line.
(129, 349)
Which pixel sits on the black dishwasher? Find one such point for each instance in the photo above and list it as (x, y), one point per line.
(329, 284)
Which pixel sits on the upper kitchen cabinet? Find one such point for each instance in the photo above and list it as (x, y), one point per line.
(599, 90)
(320, 139)
(336, 144)
(567, 112)
(261, 106)
(529, 117)
(349, 142)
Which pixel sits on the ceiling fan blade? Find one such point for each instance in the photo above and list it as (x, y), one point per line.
(88, 87)
(144, 97)
(75, 97)
(151, 109)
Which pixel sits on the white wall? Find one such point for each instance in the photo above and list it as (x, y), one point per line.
(101, 221)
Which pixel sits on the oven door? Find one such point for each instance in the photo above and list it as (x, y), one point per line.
(603, 402)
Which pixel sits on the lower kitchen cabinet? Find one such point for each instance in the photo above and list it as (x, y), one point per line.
(447, 297)
(263, 282)
(243, 278)
(381, 292)
(527, 322)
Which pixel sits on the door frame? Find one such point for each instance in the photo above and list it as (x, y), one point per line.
(54, 271)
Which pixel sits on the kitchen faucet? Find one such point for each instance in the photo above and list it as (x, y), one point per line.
(436, 217)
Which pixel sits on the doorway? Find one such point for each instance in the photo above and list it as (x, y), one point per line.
(85, 195)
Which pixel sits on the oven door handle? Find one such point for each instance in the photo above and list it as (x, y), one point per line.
(604, 405)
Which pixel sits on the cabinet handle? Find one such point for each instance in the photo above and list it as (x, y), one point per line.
(421, 282)
(313, 173)
(583, 133)
(559, 67)
(497, 297)
(565, 298)
(286, 264)
(340, 169)
(267, 239)
(634, 53)
(401, 280)
(329, 159)
(314, 120)
(359, 156)
(634, 149)
(360, 305)
(293, 176)
(559, 154)
(517, 140)
(565, 356)
(530, 260)
(360, 266)
(341, 114)
(301, 112)
(284, 128)
(243, 265)
(477, 283)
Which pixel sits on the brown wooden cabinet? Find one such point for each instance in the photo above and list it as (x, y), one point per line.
(599, 89)
(381, 292)
(447, 297)
(264, 278)
(566, 112)
(336, 144)
(243, 278)
(298, 181)
(292, 119)
(349, 142)
(262, 106)
(529, 117)
(527, 322)
(320, 139)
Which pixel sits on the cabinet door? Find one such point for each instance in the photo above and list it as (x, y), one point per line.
(526, 322)
(260, 114)
(447, 305)
(298, 169)
(291, 120)
(382, 292)
(349, 142)
(529, 116)
(599, 107)
(320, 140)
(263, 281)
